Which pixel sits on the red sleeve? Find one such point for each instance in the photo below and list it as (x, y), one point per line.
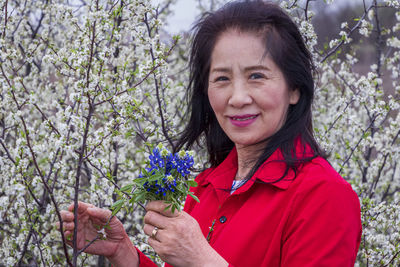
(144, 261)
(324, 228)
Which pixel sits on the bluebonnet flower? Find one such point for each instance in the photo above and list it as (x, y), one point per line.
(170, 167)
(166, 177)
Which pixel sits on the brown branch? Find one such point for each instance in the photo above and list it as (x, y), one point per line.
(151, 71)
(332, 51)
(7, 152)
(160, 108)
(393, 258)
(40, 111)
(27, 240)
(379, 40)
(5, 17)
(98, 144)
(293, 4)
(355, 147)
(77, 179)
(38, 245)
(37, 167)
(84, 143)
(376, 180)
(32, 194)
(47, 189)
(35, 31)
(96, 238)
(306, 9)
(114, 183)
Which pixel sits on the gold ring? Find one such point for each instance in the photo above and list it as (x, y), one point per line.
(154, 232)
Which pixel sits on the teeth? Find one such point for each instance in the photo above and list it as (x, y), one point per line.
(244, 119)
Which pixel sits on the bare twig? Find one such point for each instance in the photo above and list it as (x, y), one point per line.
(7, 152)
(358, 24)
(27, 137)
(5, 17)
(376, 180)
(156, 83)
(355, 147)
(113, 182)
(151, 71)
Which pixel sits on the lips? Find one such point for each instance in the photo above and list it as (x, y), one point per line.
(243, 120)
(244, 117)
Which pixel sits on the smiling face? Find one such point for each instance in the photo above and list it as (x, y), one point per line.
(246, 90)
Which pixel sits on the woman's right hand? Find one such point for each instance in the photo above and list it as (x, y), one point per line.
(115, 245)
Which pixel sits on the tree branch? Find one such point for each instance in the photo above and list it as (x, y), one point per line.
(332, 51)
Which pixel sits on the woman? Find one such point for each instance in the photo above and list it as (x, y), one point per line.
(269, 198)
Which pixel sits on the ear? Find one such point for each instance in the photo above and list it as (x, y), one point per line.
(294, 96)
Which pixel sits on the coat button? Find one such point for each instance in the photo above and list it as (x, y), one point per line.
(222, 219)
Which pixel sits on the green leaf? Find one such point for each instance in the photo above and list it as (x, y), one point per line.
(173, 208)
(156, 176)
(145, 172)
(191, 183)
(116, 207)
(69, 237)
(194, 197)
(127, 188)
(140, 181)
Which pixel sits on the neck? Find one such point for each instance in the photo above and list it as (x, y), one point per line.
(247, 157)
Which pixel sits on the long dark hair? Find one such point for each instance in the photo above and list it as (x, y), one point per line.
(285, 46)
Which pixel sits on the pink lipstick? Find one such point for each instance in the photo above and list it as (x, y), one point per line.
(243, 120)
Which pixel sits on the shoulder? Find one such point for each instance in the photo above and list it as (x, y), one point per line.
(320, 172)
(318, 180)
(324, 216)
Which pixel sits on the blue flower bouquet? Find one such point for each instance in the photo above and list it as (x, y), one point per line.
(166, 177)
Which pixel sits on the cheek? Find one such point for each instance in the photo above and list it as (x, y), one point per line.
(216, 100)
(274, 104)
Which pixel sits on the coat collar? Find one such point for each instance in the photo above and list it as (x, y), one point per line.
(273, 169)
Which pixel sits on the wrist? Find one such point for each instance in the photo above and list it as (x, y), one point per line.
(211, 258)
(125, 255)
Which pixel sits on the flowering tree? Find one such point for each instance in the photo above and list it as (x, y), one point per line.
(87, 86)
(357, 120)
(84, 89)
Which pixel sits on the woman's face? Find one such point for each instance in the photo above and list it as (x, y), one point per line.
(246, 90)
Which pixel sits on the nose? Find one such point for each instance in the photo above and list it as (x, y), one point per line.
(240, 95)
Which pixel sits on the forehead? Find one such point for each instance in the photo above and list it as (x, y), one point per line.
(234, 45)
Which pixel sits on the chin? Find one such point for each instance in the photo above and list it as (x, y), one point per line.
(247, 143)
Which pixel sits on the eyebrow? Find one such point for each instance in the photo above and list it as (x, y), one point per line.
(257, 67)
(246, 69)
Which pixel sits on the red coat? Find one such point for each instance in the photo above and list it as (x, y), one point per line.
(312, 220)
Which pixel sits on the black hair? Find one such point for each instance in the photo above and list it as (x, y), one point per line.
(285, 46)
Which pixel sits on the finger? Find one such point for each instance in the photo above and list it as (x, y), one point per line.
(155, 244)
(102, 215)
(162, 208)
(66, 216)
(148, 229)
(155, 219)
(68, 226)
(82, 206)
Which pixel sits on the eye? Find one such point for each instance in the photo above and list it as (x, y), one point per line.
(257, 75)
(221, 79)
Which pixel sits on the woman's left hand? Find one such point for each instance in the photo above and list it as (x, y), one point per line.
(178, 239)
